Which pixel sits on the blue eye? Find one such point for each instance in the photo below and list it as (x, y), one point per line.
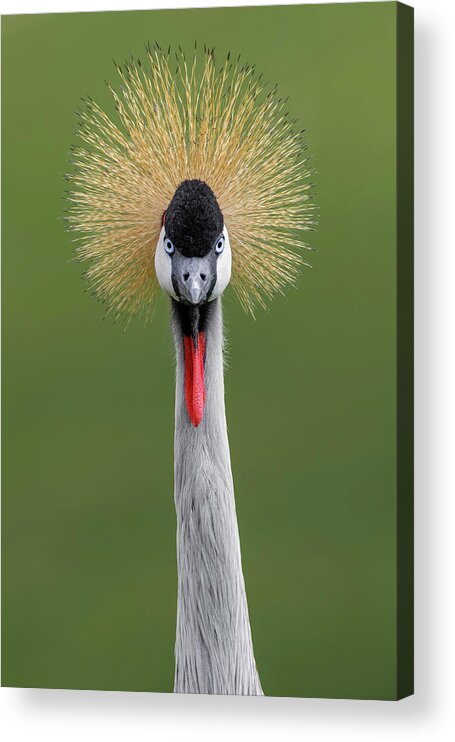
(168, 246)
(219, 246)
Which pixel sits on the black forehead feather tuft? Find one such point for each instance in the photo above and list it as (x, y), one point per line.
(193, 218)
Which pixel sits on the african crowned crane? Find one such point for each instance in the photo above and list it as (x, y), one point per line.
(203, 176)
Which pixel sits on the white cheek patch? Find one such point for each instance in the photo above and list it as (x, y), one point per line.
(163, 266)
(223, 268)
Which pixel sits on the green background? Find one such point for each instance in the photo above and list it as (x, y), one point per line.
(89, 568)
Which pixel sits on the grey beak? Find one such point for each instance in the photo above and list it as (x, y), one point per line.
(193, 278)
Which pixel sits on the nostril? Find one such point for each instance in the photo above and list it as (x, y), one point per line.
(203, 276)
(186, 276)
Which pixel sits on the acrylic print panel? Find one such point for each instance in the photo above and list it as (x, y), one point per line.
(194, 194)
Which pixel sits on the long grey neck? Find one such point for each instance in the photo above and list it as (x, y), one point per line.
(214, 650)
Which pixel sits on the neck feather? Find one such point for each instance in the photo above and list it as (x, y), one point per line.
(214, 651)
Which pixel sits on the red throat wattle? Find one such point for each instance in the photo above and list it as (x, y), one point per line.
(194, 377)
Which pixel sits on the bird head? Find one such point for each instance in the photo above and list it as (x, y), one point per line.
(193, 265)
(232, 157)
(193, 254)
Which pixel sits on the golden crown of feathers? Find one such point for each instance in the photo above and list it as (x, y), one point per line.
(181, 120)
